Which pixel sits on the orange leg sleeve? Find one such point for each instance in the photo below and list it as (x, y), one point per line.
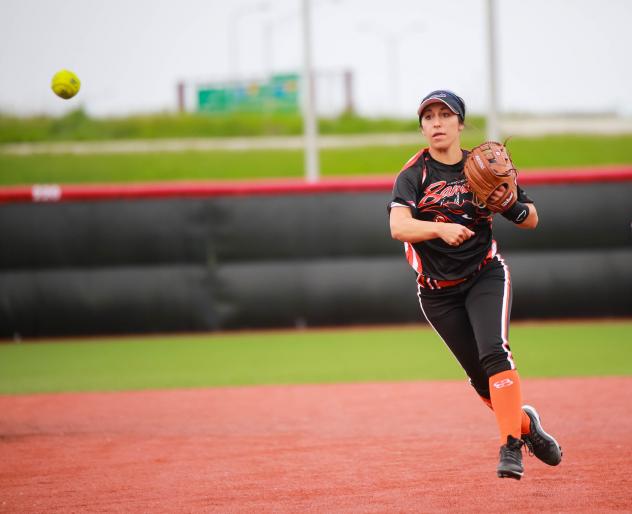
(525, 422)
(507, 403)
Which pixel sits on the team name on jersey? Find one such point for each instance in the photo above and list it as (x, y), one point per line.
(437, 191)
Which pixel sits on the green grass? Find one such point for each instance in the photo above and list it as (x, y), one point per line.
(548, 350)
(545, 152)
(78, 126)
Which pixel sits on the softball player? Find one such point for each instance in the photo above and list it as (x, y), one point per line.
(464, 284)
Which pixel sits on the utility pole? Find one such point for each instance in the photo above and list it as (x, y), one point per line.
(493, 132)
(310, 128)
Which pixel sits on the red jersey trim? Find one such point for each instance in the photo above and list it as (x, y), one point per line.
(413, 258)
(413, 159)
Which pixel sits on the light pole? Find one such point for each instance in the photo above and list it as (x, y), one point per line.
(267, 48)
(392, 56)
(268, 30)
(493, 132)
(392, 41)
(310, 129)
(233, 34)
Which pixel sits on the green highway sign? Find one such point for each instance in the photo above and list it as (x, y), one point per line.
(279, 94)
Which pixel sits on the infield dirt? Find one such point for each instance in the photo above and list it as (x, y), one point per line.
(380, 447)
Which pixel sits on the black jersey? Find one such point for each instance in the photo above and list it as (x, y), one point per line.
(439, 192)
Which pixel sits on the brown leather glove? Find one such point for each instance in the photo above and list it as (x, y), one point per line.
(487, 167)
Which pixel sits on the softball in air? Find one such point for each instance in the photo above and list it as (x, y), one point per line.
(65, 84)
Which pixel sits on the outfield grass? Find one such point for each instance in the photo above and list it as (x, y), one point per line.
(547, 350)
(78, 126)
(545, 152)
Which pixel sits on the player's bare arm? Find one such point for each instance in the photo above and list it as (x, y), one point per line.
(409, 230)
(531, 220)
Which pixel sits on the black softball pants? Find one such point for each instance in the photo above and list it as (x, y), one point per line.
(472, 318)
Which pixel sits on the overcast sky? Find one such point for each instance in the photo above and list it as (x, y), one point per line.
(554, 55)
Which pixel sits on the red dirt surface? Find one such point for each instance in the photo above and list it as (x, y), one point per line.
(392, 447)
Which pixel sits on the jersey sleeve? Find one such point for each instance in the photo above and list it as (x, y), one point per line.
(523, 197)
(405, 190)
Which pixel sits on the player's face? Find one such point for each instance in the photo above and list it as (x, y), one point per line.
(441, 127)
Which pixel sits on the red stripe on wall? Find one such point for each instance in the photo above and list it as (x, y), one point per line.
(74, 192)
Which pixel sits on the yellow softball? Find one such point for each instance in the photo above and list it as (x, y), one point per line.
(65, 84)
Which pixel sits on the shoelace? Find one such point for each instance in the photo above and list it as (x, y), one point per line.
(528, 446)
(511, 453)
(534, 439)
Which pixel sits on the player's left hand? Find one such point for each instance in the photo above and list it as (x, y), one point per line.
(498, 194)
(487, 167)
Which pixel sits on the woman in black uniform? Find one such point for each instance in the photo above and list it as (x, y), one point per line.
(464, 285)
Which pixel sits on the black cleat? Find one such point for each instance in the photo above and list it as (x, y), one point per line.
(510, 465)
(542, 445)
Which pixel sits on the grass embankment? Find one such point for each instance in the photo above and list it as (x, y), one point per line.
(78, 126)
(548, 350)
(542, 152)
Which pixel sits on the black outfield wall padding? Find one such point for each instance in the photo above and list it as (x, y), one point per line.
(107, 300)
(109, 233)
(282, 256)
(574, 216)
(572, 283)
(304, 227)
(318, 292)
(383, 290)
